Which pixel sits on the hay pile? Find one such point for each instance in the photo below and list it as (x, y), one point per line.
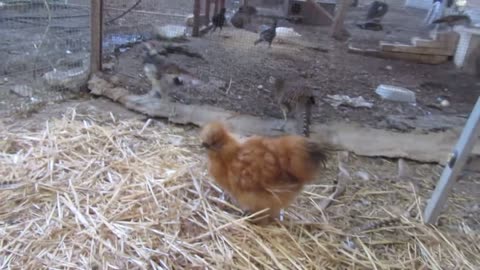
(89, 194)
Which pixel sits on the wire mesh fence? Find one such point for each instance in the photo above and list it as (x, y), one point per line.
(44, 50)
(227, 61)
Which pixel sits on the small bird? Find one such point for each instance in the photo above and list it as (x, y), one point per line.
(268, 35)
(377, 11)
(219, 20)
(243, 16)
(262, 172)
(295, 98)
(452, 20)
(163, 75)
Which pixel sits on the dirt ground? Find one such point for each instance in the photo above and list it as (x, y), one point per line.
(232, 62)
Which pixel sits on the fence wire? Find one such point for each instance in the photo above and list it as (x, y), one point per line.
(44, 50)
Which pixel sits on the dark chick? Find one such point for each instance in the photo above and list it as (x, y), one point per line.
(268, 35)
(218, 20)
(294, 98)
(377, 11)
(452, 20)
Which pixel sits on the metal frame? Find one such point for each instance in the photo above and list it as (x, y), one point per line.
(456, 163)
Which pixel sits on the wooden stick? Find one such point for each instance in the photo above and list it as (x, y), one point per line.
(196, 18)
(96, 21)
(320, 9)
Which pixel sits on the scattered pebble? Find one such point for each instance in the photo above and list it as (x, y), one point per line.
(363, 175)
(445, 103)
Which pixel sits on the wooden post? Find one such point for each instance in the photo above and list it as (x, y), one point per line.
(222, 4)
(462, 150)
(208, 5)
(96, 35)
(196, 18)
(215, 7)
(338, 30)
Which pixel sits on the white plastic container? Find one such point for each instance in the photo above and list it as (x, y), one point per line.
(395, 93)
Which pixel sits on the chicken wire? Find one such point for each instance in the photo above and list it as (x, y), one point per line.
(128, 23)
(44, 51)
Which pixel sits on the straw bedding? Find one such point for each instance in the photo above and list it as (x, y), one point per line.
(88, 194)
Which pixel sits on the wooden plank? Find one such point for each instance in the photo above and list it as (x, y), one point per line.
(405, 48)
(413, 57)
(460, 155)
(421, 42)
(96, 35)
(196, 18)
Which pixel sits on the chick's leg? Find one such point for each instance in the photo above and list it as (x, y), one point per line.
(285, 119)
(172, 109)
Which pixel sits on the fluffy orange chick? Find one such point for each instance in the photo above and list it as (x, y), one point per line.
(262, 172)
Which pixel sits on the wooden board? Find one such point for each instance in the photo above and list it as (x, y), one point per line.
(405, 48)
(413, 57)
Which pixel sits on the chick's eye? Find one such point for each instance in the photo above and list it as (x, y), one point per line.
(177, 81)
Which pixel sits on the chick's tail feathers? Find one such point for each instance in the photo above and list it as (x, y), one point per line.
(257, 41)
(318, 152)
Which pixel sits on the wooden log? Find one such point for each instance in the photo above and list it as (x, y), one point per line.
(352, 137)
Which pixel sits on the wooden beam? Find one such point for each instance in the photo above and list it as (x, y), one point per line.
(456, 164)
(338, 29)
(196, 18)
(96, 35)
(320, 9)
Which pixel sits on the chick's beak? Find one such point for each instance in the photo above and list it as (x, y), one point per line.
(205, 145)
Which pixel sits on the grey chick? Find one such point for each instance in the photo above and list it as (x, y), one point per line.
(268, 35)
(294, 98)
(162, 74)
